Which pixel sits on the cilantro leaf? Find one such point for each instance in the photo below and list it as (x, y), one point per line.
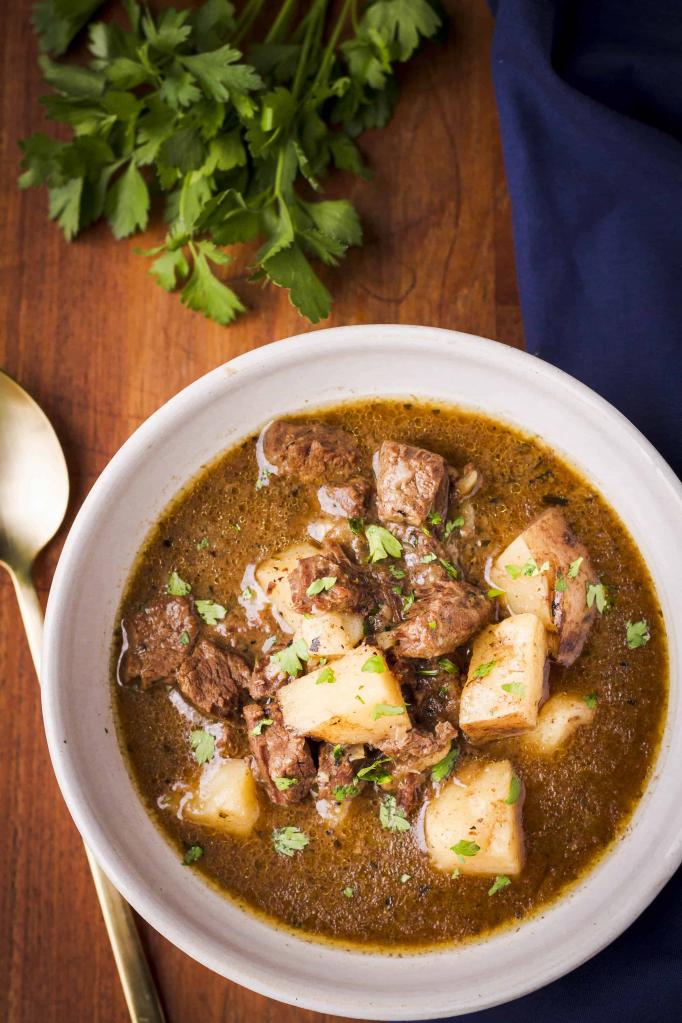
(176, 586)
(319, 585)
(443, 769)
(574, 568)
(501, 881)
(289, 840)
(192, 854)
(402, 23)
(127, 203)
(210, 612)
(290, 659)
(514, 790)
(325, 677)
(260, 725)
(392, 816)
(515, 688)
(375, 663)
(466, 848)
(285, 783)
(203, 744)
(205, 293)
(219, 74)
(637, 634)
(596, 595)
(590, 700)
(386, 710)
(376, 772)
(382, 543)
(484, 669)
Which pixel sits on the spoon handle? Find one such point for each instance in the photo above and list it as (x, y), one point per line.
(138, 984)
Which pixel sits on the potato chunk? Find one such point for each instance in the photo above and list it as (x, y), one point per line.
(506, 680)
(357, 706)
(225, 797)
(556, 592)
(560, 717)
(478, 809)
(272, 577)
(333, 633)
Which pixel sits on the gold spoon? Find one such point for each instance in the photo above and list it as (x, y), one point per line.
(34, 493)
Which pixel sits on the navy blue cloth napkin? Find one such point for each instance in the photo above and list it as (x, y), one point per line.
(590, 100)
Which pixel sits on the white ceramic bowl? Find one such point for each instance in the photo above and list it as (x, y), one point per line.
(212, 414)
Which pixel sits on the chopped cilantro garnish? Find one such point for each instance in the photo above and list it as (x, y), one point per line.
(382, 543)
(449, 568)
(494, 592)
(325, 676)
(574, 567)
(515, 688)
(484, 669)
(289, 840)
(432, 624)
(376, 772)
(637, 634)
(375, 663)
(392, 816)
(342, 792)
(590, 700)
(285, 783)
(337, 753)
(453, 524)
(356, 526)
(514, 790)
(435, 518)
(446, 664)
(194, 853)
(184, 638)
(203, 744)
(465, 848)
(384, 710)
(210, 612)
(248, 593)
(260, 725)
(325, 582)
(596, 594)
(397, 573)
(348, 892)
(443, 769)
(501, 881)
(560, 585)
(530, 568)
(404, 878)
(290, 659)
(176, 586)
(408, 601)
(428, 558)
(203, 544)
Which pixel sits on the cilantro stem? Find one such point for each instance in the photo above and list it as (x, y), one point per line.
(328, 55)
(252, 9)
(275, 33)
(319, 7)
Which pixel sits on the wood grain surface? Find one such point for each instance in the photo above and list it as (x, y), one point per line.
(100, 347)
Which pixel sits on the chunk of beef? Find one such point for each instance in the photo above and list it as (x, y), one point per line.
(345, 500)
(336, 774)
(350, 592)
(443, 617)
(413, 755)
(313, 452)
(232, 741)
(279, 755)
(267, 676)
(432, 691)
(387, 600)
(158, 639)
(428, 560)
(411, 484)
(212, 678)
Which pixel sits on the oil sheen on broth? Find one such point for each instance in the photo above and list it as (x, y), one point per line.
(359, 883)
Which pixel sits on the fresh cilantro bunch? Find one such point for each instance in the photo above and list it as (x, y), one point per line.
(220, 114)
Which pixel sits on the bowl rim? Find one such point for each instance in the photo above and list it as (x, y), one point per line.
(156, 426)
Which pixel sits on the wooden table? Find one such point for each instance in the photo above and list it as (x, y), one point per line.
(100, 346)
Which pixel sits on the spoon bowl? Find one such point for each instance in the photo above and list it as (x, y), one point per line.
(34, 481)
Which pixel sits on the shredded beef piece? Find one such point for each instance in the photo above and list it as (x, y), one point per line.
(350, 592)
(212, 678)
(432, 697)
(413, 755)
(279, 754)
(336, 774)
(345, 500)
(267, 676)
(159, 638)
(411, 484)
(443, 617)
(232, 741)
(313, 452)
(428, 560)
